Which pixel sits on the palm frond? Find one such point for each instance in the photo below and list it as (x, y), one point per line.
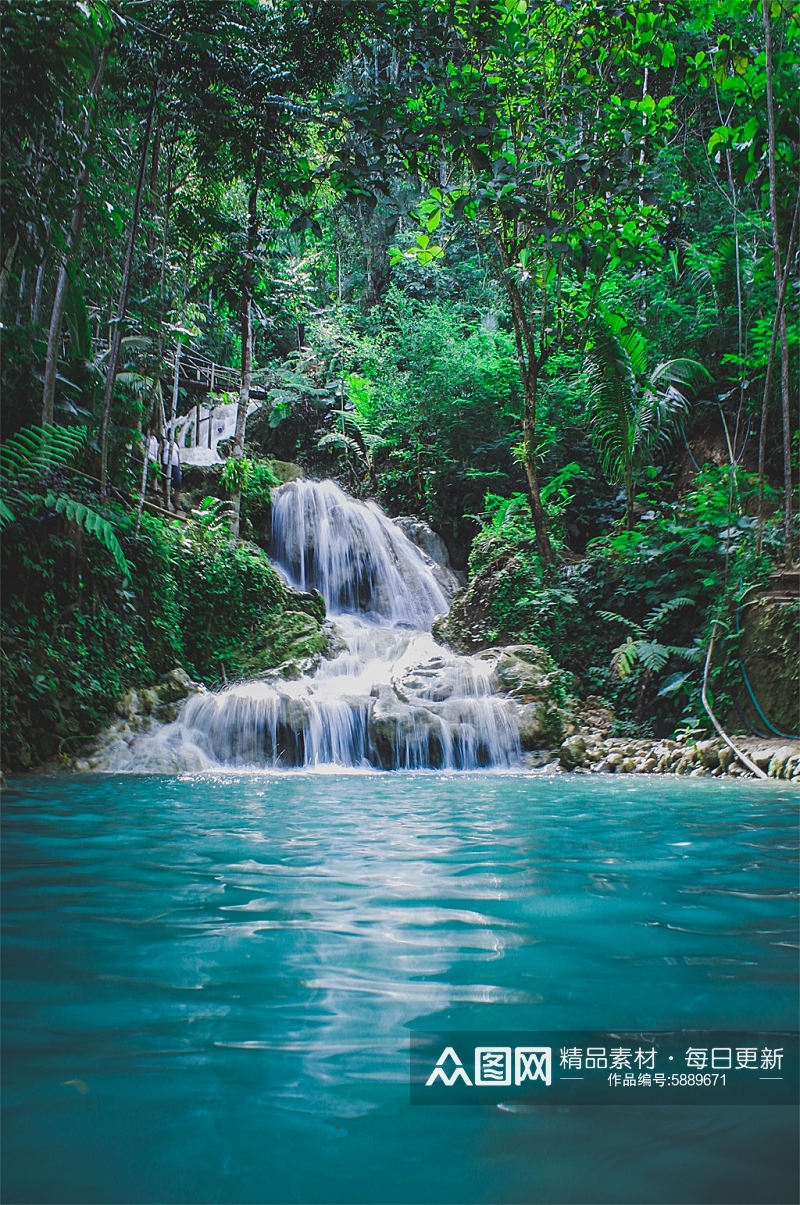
(680, 374)
(93, 522)
(664, 403)
(127, 344)
(140, 386)
(611, 381)
(636, 350)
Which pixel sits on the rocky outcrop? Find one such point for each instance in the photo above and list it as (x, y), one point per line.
(770, 655)
(288, 647)
(475, 619)
(139, 712)
(513, 699)
(435, 549)
(528, 676)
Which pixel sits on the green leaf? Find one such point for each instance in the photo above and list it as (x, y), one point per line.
(720, 137)
(673, 684)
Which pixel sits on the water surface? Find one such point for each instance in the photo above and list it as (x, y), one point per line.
(209, 982)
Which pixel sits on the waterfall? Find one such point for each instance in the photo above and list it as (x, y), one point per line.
(353, 554)
(390, 698)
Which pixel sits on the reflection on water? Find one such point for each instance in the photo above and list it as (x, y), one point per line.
(209, 982)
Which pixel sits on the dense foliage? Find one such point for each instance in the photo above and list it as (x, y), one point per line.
(76, 634)
(525, 270)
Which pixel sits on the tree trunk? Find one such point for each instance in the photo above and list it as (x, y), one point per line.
(247, 343)
(172, 414)
(116, 341)
(543, 545)
(160, 347)
(73, 239)
(628, 500)
(778, 272)
(6, 269)
(779, 315)
(152, 188)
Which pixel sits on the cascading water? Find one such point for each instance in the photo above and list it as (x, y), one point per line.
(354, 555)
(390, 698)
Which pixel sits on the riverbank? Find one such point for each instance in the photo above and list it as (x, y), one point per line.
(693, 756)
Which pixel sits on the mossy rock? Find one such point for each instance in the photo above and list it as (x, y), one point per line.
(287, 637)
(478, 618)
(287, 470)
(524, 671)
(770, 653)
(312, 603)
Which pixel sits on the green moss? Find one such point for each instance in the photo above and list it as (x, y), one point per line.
(770, 652)
(288, 636)
(76, 636)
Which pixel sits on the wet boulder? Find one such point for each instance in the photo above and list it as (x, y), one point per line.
(435, 549)
(523, 671)
(402, 734)
(534, 728)
(573, 751)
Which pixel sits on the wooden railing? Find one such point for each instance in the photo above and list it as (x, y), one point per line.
(199, 375)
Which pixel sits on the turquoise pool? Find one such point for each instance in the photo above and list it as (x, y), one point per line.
(209, 982)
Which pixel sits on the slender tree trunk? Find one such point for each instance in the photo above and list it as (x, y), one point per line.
(778, 272)
(172, 415)
(152, 190)
(543, 545)
(116, 340)
(779, 315)
(247, 342)
(628, 499)
(38, 287)
(160, 337)
(6, 269)
(73, 239)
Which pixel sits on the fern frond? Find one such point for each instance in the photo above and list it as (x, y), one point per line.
(658, 614)
(612, 617)
(92, 522)
(624, 658)
(694, 654)
(652, 655)
(336, 437)
(33, 452)
(371, 440)
(699, 272)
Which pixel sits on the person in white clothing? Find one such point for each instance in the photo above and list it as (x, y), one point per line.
(171, 459)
